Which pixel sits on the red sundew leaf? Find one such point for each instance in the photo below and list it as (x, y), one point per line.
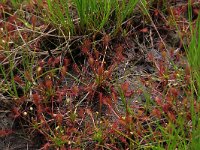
(75, 90)
(156, 12)
(63, 148)
(156, 112)
(171, 116)
(87, 43)
(89, 88)
(81, 112)
(128, 119)
(189, 117)
(139, 91)
(100, 100)
(196, 11)
(66, 62)
(25, 36)
(36, 99)
(41, 63)
(144, 118)
(16, 112)
(169, 99)
(84, 69)
(119, 55)
(179, 10)
(20, 100)
(33, 21)
(122, 122)
(75, 68)
(157, 134)
(158, 101)
(106, 39)
(12, 19)
(46, 146)
(129, 23)
(187, 79)
(120, 49)
(110, 71)
(150, 57)
(144, 30)
(73, 130)
(176, 11)
(125, 86)
(185, 102)
(89, 112)
(187, 70)
(60, 95)
(164, 54)
(65, 138)
(50, 61)
(30, 7)
(56, 61)
(107, 101)
(91, 61)
(10, 27)
(178, 57)
(161, 46)
(139, 132)
(171, 52)
(5, 132)
(111, 131)
(162, 69)
(114, 96)
(174, 92)
(48, 110)
(39, 109)
(129, 93)
(123, 140)
(59, 118)
(2, 6)
(166, 107)
(48, 83)
(140, 112)
(20, 24)
(85, 50)
(96, 52)
(115, 125)
(100, 70)
(18, 80)
(90, 132)
(173, 76)
(63, 71)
